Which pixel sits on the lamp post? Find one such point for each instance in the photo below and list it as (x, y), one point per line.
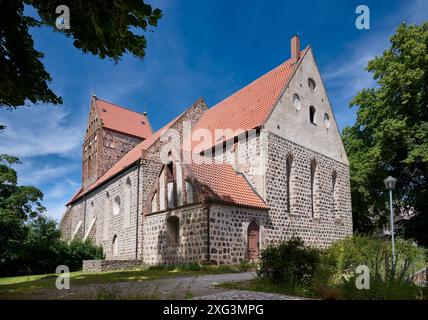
(390, 184)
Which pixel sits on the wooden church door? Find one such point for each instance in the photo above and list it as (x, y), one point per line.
(253, 241)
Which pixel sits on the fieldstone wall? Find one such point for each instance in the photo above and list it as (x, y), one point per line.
(228, 232)
(99, 203)
(110, 265)
(192, 246)
(332, 219)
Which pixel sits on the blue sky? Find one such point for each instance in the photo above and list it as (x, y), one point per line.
(200, 48)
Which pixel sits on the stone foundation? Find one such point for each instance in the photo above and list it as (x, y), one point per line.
(110, 265)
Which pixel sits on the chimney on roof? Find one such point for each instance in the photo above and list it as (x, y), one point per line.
(145, 113)
(295, 48)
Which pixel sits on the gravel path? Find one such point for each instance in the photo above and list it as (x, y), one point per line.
(182, 287)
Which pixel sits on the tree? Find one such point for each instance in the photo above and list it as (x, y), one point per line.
(390, 136)
(30, 243)
(104, 28)
(18, 204)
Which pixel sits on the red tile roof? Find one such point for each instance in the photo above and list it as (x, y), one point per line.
(123, 120)
(221, 183)
(247, 108)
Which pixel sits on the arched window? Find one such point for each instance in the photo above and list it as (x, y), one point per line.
(296, 101)
(116, 205)
(311, 84)
(115, 246)
(89, 166)
(106, 216)
(313, 171)
(162, 190)
(288, 164)
(172, 231)
(333, 191)
(326, 120)
(189, 192)
(312, 114)
(127, 204)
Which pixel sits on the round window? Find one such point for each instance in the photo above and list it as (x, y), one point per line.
(326, 120)
(296, 101)
(311, 84)
(116, 205)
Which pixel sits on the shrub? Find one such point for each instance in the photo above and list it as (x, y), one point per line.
(291, 263)
(345, 255)
(73, 254)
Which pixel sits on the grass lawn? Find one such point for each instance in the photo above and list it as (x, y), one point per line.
(23, 286)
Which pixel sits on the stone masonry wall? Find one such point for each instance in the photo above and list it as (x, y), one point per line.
(228, 232)
(110, 265)
(98, 205)
(331, 221)
(192, 246)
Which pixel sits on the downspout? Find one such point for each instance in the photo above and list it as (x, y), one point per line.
(138, 211)
(208, 235)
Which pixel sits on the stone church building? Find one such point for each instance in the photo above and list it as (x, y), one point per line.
(216, 184)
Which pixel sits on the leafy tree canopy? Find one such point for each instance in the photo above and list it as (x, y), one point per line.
(104, 28)
(18, 204)
(29, 241)
(390, 136)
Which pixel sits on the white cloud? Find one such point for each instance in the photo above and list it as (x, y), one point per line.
(40, 130)
(35, 173)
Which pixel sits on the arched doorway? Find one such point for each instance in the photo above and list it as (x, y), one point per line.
(253, 236)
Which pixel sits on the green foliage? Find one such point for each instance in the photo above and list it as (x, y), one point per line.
(103, 28)
(390, 136)
(18, 205)
(73, 254)
(335, 271)
(291, 263)
(29, 241)
(347, 254)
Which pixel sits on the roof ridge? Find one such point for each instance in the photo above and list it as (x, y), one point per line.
(120, 107)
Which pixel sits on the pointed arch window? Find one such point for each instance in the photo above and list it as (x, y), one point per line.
(312, 114)
(189, 192)
(127, 203)
(288, 164)
(106, 216)
(313, 172)
(115, 246)
(154, 206)
(333, 190)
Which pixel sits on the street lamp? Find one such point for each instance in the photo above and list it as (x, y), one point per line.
(390, 184)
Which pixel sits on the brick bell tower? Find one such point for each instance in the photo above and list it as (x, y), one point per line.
(111, 132)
